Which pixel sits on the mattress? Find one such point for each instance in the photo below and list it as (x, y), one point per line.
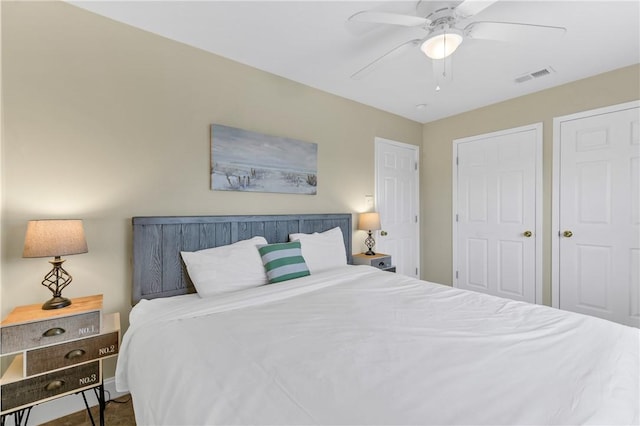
(357, 345)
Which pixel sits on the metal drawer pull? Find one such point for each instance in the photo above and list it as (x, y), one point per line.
(53, 332)
(76, 353)
(381, 264)
(56, 384)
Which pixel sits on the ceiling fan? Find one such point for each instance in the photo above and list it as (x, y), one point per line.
(443, 33)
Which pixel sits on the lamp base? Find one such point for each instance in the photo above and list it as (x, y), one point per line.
(56, 280)
(56, 303)
(369, 242)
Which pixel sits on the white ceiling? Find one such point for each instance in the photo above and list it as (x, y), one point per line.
(313, 43)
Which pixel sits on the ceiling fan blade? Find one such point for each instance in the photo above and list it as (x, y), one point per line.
(393, 53)
(512, 31)
(388, 18)
(472, 7)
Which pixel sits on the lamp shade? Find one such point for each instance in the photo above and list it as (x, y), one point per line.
(56, 237)
(369, 221)
(442, 45)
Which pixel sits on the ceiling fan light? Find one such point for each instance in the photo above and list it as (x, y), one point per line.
(442, 45)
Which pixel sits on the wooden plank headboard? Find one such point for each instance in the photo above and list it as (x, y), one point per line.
(158, 270)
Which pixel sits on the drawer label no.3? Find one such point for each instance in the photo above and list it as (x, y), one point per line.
(88, 380)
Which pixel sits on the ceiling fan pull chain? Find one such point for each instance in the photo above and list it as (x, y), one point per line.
(444, 59)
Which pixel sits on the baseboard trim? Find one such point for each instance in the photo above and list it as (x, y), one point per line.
(67, 405)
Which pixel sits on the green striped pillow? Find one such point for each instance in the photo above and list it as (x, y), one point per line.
(283, 261)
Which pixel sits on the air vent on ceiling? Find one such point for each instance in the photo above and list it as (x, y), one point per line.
(534, 74)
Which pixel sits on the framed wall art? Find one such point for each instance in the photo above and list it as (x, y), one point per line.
(253, 162)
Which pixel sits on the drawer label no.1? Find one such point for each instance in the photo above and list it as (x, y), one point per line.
(82, 331)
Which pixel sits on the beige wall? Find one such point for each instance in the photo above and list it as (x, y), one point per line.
(611, 88)
(104, 122)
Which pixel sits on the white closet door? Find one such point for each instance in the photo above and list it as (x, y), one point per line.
(397, 201)
(495, 223)
(599, 235)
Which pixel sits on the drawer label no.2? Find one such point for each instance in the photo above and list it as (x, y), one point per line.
(111, 349)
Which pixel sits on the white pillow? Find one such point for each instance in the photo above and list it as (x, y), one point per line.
(323, 250)
(227, 268)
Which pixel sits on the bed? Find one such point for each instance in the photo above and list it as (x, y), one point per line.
(353, 344)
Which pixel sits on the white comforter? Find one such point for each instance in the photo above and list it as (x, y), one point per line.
(361, 346)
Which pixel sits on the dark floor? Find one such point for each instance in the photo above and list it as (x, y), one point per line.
(119, 412)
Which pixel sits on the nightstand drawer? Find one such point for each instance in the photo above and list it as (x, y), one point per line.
(379, 260)
(45, 332)
(39, 388)
(71, 353)
(382, 262)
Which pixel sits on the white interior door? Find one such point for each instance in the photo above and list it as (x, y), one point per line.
(497, 217)
(397, 188)
(598, 235)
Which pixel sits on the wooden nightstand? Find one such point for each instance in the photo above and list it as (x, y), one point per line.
(378, 260)
(55, 353)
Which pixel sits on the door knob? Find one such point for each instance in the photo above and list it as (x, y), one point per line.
(568, 234)
(383, 233)
(527, 234)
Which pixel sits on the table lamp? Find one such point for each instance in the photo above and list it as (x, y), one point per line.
(57, 237)
(369, 222)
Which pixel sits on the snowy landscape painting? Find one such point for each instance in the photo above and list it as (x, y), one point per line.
(253, 162)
